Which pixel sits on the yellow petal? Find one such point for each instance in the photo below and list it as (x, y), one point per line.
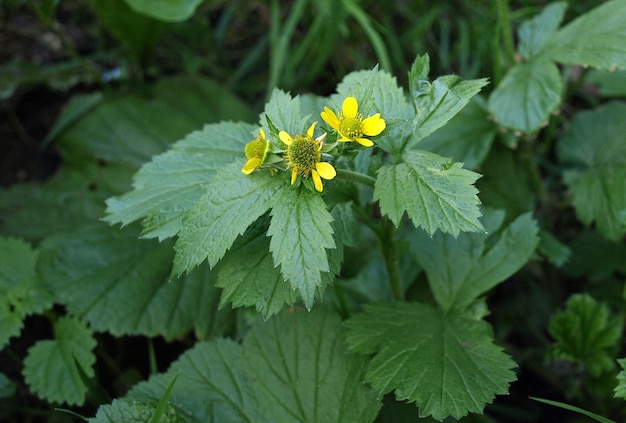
(317, 181)
(373, 125)
(293, 176)
(285, 137)
(309, 132)
(326, 170)
(262, 133)
(365, 142)
(350, 107)
(251, 165)
(330, 118)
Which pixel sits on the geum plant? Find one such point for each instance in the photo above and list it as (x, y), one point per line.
(315, 196)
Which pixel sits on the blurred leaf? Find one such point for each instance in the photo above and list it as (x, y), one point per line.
(135, 412)
(610, 84)
(556, 252)
(595, 257)
(466, 138)
(126, 287)
(291, 368)
(21, 291)
(620, 389)
(446, 363)
(593, 153)
(165, 10)
(526, 96)
(596, 39)
(50, 369)
(435, 192)
(586, 333)
(78, 106)
(7, 387)
(535, 32)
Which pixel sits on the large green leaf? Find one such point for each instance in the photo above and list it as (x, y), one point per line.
(21, 291)
(594, 153)
(121, 284)
(527, 95)
(597, 38)
(166, 10)
(169, 185)
(534, 33)
(435, 192)
(232, 202)
(51, 368)
(301, 233)
(285, 113)
(461, 269)
(446, 363)
(292, 368)
(134, 412)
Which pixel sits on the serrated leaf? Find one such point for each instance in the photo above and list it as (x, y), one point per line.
(126, 286)
(301, 233)
(50, 368)
(437, 102)
(165, 10)
(620, 389)
(535, 32)
(527, 95)
(446, 363)
(249, 277)
(597, 38)
(168, 186)
(285, 113)
(461, 269)
(467, 137)
(594, 154)
(587, 333)
(231, 203)
(290, 368)
(134, 412)
(21, 291)
(435, 192)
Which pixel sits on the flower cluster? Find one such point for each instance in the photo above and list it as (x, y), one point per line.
(305, 155)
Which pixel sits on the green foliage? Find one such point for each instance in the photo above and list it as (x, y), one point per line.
(165, 10)
(620, 389)
(445, 362)
(134, 412)
(53, 369)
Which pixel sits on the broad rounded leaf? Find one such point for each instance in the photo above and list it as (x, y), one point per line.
(535, 32)
(134, 412)
(527, 95)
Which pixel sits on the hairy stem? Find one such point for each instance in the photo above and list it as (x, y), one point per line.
(386, 236)
(350, 175)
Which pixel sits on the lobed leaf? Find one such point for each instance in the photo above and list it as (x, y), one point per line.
(535, 32)
(134, 412)
(446, 363)
(285, 113)
(435, 192)
(51, 367)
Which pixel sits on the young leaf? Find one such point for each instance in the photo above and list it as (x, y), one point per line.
(461, 269)
(597, 38)
(446, 363)
(301, 233)
(123, 410)
(168, 186)
(21, 291)
(249, 277)
(594, 153)
(586, 333)
(467, 137)
(125, 284)
(435, 192)
(534, 33)
(50, 369)
(527, 95)
(290, 368)
(232, 202)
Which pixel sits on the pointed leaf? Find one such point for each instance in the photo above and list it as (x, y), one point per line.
(435, 192)
(446, 363)
(594, 152)
(597, 38)
(232, 202)
(126, 286)
(21, 291)
(527, 95)
(535, 32)
(461, 269)
(285, 113)
(50, 369)
(301, 232)
(169, 185)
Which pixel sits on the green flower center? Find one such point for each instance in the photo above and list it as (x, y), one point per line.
(256, 149)
(303, 154)
(351, 127)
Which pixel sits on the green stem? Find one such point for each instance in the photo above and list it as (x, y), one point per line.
(387, 245)
(375, 39)
(535, 177)
(350, 175)
(507, 32)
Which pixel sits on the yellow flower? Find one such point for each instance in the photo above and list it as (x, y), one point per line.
(351, 125)
(255, 150)
(303, 156)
